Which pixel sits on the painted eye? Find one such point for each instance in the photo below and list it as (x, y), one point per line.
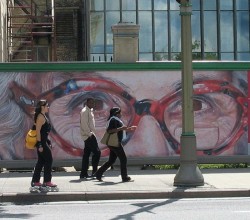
(65, 113)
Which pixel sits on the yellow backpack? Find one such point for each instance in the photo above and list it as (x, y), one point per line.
(30, 140)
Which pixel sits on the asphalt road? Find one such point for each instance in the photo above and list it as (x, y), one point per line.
(184, 209)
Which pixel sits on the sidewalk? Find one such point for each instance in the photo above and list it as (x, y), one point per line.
(148, 184)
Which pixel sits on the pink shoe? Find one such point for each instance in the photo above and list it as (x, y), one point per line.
(50, 184)
(36, 184)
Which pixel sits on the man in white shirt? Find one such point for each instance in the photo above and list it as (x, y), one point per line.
(87, 123)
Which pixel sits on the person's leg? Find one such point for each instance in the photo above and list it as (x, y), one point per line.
(38, 168)
(123, 162)
(85, 158)
(106, 165)
(47, 165)
(96, 154)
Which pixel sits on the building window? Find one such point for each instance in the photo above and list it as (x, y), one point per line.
(220, 28)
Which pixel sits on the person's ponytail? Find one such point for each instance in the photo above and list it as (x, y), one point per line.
(38, 108)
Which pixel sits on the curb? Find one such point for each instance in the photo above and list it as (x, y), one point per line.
(20, 198)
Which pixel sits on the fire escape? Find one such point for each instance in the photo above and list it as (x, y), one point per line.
(28, 26)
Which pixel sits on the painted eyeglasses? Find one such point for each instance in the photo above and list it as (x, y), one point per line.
(220, 112)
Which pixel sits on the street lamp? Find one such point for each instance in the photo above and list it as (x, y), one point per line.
(189, 173)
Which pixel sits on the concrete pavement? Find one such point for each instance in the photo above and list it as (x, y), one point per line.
(148, 184)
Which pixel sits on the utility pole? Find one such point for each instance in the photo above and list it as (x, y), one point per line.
(189, 173)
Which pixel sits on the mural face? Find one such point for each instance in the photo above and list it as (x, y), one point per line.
(149, 100)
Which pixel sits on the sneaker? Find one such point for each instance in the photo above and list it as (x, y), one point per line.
(126, 179)
(86, 176)
(99, 178)
(94, 175)
(50, 184)
(36, 184)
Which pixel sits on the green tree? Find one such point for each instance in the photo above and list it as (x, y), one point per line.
(196, 55)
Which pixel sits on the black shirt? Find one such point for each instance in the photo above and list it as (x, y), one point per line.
(114, 123)
(45, 129)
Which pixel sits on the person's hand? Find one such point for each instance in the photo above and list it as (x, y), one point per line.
(132, 128)
(40, 149)
(39, 146)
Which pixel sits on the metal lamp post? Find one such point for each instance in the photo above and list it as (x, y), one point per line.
(188, 174)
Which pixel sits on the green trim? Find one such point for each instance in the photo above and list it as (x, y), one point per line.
(188, 134)
(88, 66)
(221, 65)
(146, 66)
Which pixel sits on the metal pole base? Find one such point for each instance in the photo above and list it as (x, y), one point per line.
(188, 174)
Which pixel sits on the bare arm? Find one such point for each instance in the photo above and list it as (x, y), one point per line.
(39, 122)
(123, 128)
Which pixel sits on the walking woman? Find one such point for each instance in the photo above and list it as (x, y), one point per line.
(43, 146)
(115, 125)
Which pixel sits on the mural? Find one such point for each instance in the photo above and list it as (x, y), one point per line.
(151, 100)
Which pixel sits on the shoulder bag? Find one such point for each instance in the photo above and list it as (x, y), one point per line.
(110, 139)
(30, 139)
